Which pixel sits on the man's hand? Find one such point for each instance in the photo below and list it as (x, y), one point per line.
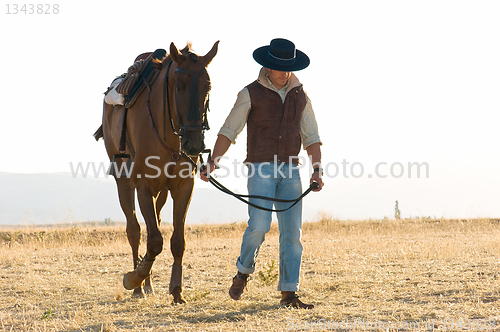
(314, 152)
(316, 177)
(204, 174)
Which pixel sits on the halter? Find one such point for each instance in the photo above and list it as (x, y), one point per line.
(193, 109)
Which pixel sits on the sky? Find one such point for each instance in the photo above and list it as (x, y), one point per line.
(391, 82)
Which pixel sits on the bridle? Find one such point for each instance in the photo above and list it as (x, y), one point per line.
(193, 114)
(193, 108)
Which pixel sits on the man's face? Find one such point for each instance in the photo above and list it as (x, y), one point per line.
(279, 78)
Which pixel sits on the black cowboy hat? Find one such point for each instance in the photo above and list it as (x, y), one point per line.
(281, 55)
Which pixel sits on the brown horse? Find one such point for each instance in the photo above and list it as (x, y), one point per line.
(163, 147)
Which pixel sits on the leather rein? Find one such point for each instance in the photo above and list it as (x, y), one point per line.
(240, 197)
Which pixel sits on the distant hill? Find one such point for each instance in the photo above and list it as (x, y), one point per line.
(59, 198)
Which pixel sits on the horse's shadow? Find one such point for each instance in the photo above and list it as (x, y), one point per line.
(165, 318)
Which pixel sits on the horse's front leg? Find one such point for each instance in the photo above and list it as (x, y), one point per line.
(182, 198)
(146, 200)
(161, 199)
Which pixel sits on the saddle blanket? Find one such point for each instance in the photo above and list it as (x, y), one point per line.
(112, 96)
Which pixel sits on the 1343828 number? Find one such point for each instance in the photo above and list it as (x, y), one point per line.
(32, 9)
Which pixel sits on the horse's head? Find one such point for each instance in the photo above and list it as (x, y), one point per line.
(191, 89)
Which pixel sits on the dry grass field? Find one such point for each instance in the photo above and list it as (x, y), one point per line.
(389, 275)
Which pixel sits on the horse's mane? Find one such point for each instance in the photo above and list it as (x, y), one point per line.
(185, 51)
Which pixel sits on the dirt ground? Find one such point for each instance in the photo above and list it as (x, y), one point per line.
(372, 275)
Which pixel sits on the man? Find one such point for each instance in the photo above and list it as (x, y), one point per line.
(279, 117)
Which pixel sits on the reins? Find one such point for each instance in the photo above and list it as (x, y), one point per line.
(241, 197)
(166, 103)
(175, 154)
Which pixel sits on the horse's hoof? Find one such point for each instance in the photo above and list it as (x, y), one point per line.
(177, 294)
(138, 294)
(149, 290)
(131, 280)
(178, 299)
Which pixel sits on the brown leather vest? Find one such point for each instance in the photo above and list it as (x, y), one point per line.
(273, 127)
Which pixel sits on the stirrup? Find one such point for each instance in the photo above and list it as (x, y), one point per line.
(113, 167)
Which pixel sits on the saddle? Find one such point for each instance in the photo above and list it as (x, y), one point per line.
(129, 85)
(133, 84)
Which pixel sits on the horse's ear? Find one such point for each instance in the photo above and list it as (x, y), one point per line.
(174, 52)
(210, 55)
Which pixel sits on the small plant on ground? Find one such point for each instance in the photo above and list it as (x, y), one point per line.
(48, 314)
(198, 295)
(268, 275)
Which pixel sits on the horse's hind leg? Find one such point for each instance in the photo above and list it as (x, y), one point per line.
(126, 194)
(146, 198)
(160, 202)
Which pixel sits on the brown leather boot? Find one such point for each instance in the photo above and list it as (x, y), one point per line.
(291, 300)
(239, 284)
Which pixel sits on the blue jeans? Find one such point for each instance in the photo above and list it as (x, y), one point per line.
(278, 181)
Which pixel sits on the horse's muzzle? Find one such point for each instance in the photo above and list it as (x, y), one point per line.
(192, 147)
